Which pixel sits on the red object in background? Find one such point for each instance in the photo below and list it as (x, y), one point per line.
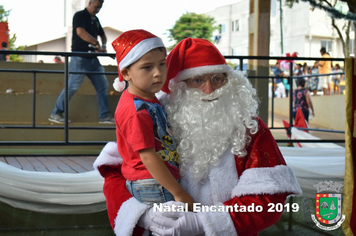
(4, 32)
(299, 122)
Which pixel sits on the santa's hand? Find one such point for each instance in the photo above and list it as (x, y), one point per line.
(177, 224)
(145, 220)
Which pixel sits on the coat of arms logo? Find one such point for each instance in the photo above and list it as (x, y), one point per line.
(328, 206)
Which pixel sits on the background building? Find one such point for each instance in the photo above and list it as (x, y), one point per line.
(304, 31)
(63, 41)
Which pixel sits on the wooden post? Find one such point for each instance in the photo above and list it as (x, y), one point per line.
(259, 38)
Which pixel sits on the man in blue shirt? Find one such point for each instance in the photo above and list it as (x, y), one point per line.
(279, 74)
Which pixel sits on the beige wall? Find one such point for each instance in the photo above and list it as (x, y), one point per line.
(329, 111)
(63, 44)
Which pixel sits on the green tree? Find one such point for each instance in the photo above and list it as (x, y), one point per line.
(192, 25)
(330, 7)
(3, 14)
(15, 57)
(3, 18)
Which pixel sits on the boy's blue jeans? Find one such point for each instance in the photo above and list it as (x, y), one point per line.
(149, 191)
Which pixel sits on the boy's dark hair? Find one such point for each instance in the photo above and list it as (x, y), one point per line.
(301, 82)
(4, 44)
(323, 50)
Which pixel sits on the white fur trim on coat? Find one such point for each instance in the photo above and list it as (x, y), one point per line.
(218, 185)
(190, 73)
(217, 223)
(108, 156)
(128, 216)
(267, 180)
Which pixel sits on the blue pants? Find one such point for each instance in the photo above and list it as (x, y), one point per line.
(99, 81)
(148, 191)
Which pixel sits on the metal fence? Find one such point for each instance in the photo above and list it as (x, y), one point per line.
(66, 73)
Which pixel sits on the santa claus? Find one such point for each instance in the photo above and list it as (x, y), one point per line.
(228, 157)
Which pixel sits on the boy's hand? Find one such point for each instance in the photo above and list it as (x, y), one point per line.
(185, 198)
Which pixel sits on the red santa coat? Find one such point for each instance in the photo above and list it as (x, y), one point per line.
(260, 179)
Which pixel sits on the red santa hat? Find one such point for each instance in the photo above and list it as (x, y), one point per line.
(192, 57)
(130, 46)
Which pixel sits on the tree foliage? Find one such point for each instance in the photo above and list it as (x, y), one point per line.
(15, 57)
(192, 25)
(3, 14)
(3, 18)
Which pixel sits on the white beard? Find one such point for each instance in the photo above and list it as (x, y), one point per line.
(205, 125)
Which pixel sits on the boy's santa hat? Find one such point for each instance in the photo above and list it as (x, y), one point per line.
(192, 57)
(130, 46)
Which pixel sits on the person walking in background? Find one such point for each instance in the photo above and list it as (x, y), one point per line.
(286, 86)
(298, 70)
(315, 79)
(58, 60)
(4, 57)
(337, 78)
(302, 100)
(305, 72)
(324, 68)
(279, 74)
(86, 29)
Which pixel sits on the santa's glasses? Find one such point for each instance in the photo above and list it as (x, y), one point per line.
(216, 81)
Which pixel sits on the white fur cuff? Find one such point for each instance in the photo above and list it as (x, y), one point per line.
(217, 223)
(108, 156)
(128, 216)
(267, 180)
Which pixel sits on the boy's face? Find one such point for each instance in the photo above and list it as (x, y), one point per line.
(147, 75)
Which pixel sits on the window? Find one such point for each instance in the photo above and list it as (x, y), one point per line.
(237, 25)
(327, 45)
(221, 28)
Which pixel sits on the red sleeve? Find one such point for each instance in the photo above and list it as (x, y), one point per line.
(263, 151)
(138, 131)
(250, 223)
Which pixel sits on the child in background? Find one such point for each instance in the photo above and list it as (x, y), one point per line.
(337, 79)
(144, 139)
(315, 79)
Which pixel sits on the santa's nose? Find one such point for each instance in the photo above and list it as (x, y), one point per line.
(208, 88)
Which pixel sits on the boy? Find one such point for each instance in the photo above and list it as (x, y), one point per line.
(144, 139)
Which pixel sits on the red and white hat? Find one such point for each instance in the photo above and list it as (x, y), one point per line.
(130, 46)
(192, 57)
